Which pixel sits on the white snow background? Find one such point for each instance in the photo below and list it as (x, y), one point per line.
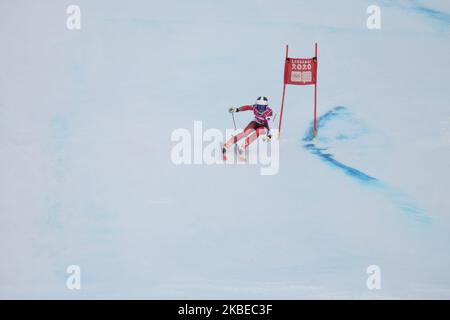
(86, 176)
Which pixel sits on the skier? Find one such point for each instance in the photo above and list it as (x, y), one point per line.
(258, 126)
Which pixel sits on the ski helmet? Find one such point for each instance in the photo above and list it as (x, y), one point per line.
(261, 104)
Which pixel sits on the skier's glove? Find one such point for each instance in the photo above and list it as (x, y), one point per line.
(233, 109)
(267, 137)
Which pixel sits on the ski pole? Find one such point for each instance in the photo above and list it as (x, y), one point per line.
(234, 121)
(235, 129)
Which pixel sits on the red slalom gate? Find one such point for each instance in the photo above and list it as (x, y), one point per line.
(300, 71)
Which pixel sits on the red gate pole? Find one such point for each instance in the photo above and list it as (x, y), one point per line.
(315, 97)
(284, 92)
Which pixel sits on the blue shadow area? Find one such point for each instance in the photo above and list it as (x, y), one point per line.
(398, 198)
(433, 14)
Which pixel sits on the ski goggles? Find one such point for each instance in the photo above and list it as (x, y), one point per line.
(260, 107)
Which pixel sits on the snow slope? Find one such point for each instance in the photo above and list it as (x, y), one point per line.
(86, 176)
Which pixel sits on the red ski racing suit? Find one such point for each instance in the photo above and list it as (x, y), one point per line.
(254, 129)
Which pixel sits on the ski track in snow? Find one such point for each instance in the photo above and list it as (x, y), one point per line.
(424, 9)
(433, 14)
(397, 197)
